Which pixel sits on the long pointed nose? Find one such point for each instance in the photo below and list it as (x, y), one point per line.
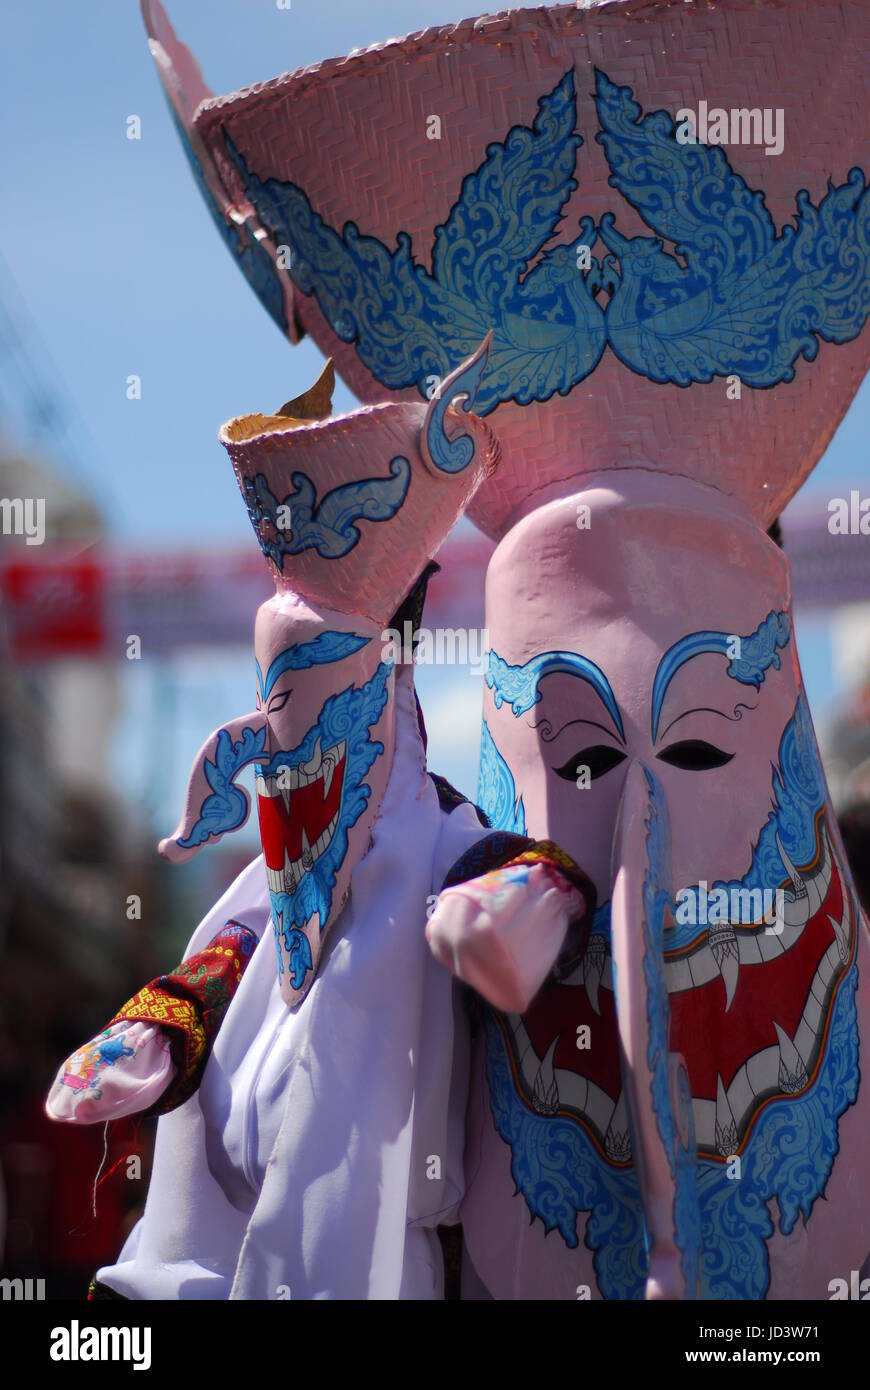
(655, 1080)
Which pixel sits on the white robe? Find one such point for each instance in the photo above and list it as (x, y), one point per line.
(324, 1145)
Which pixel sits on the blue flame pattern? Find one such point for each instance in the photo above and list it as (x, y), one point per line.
(790, 1152)
(326, 526)
(735, 297)
(346, 717)
(496, 792)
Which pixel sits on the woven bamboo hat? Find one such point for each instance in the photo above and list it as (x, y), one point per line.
(659, 209)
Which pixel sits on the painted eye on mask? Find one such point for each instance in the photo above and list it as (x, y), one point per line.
(599, 759)
(694, 755)
(278, 702)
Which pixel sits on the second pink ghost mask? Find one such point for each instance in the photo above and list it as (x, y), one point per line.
(344, 554)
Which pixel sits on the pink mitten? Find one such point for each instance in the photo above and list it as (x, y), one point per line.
(502, 932)
(123, 1070)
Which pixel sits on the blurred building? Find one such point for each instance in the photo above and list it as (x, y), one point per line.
(66, 942)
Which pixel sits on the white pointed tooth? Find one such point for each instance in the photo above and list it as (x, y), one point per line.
(797, 881)
(792, 1070)
(312, 767)
(593, 967)
(592, 980)
(328, 770)
(723, 944)
(545, 1092)
(617, 1143)
(816, 891)
(262, 789)
(726, 1125)
(841, 932)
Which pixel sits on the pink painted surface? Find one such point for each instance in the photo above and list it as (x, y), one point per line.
(352, 133)
(660, 559)
(374, 575)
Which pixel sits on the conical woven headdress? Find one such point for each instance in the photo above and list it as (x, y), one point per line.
(347, 511)
(528, 171)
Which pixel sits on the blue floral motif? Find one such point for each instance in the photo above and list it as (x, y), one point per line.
(758, 652)
(559, 1172)
(454, 455)
(408, 325)
(798, 794)
(519, 684)
(325, 526)
(496, 793)
(735, 297)
(794, 1140)
(749, 301)
(226, 807)
(344, 718)
(113, 1049)
(298, 949)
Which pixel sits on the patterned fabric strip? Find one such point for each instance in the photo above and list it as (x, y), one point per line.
(449, 798)
(190, 1004)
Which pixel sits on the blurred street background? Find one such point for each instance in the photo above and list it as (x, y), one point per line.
(110, 267)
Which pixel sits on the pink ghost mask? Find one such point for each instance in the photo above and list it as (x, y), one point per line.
(347, 511)
(653, 722)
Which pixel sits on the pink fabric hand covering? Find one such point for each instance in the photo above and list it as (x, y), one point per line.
(502, 933)
(123, 1070)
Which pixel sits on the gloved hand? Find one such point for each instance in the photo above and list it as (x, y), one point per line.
(123, 1070)
(502, 932)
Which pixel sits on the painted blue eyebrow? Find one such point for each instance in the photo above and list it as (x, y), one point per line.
(323, 649)
(758, 651)
(519, 684)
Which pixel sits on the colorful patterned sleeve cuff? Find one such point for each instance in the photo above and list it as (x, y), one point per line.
(190, 1004)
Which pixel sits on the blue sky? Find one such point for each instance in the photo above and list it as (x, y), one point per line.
(121, 272)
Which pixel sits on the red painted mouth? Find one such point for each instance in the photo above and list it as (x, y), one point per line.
(767, 1042)
(298, 810)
